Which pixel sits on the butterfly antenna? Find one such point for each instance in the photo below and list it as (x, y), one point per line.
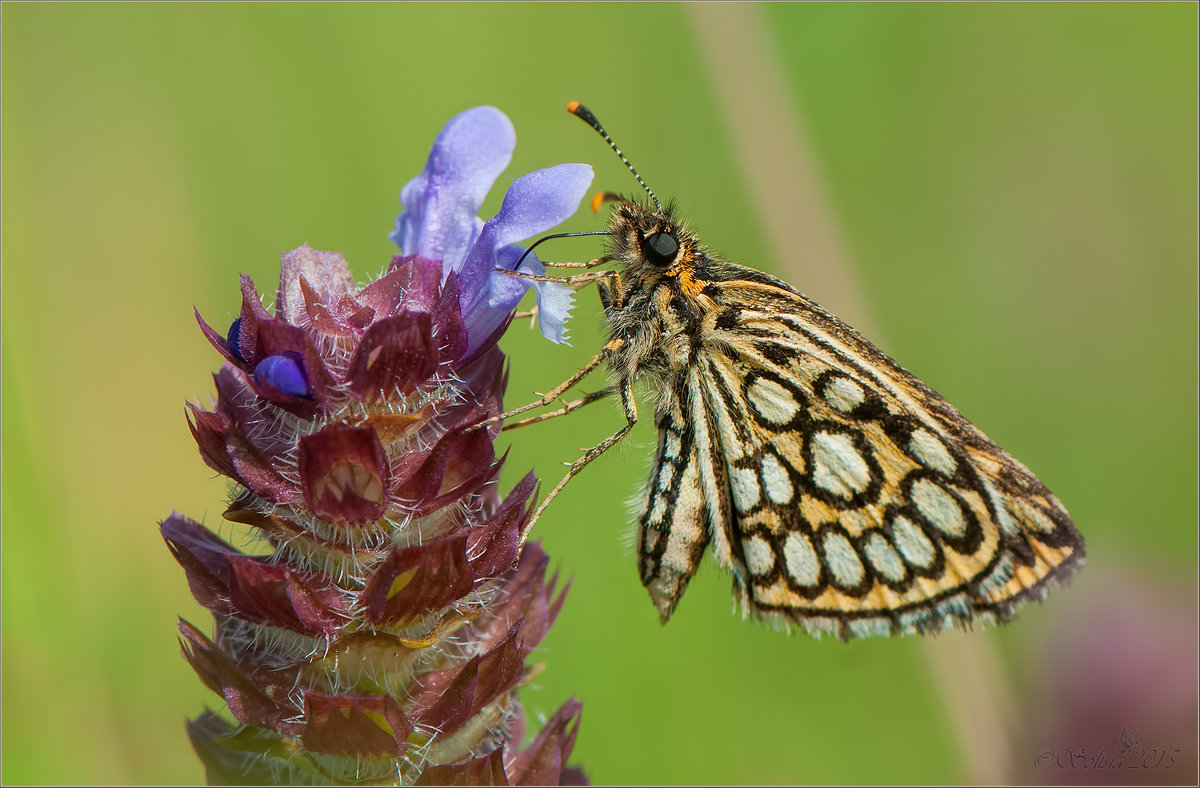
(582, 112)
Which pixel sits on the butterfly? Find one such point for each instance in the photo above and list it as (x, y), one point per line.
(845, 495)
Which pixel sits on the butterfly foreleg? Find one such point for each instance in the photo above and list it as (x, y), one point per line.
(630, 408)
(610, 292)
(574, 281)
(527, 313)
(588, 264)
(600, 282)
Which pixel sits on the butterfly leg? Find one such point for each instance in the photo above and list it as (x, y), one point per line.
(588, 264)
(630, 407)
(604, 282)
(610, 292)
(558, 390)
(527, 313)
(569, 407)
(574, 281)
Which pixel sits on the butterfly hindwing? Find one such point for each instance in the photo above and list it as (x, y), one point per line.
(686, 502)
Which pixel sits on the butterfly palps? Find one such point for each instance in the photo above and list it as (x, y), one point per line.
(845, 495)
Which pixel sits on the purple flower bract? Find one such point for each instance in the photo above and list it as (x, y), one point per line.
(381, 633)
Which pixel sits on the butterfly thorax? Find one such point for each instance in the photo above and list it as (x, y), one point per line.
(670, 299)
(660, 307)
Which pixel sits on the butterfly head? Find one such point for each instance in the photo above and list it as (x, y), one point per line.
(646, 238)
(648, 241)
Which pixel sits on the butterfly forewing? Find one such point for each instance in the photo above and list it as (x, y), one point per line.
(858, 501)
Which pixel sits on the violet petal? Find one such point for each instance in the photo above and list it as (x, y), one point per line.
(440, 204)
(533, 204)
(555, 301)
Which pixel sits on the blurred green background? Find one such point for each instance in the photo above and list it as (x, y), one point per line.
(1007, 195)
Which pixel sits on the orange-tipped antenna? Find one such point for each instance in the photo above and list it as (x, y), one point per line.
(603, 197)
(585, 114)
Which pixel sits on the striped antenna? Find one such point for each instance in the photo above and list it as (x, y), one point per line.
(585, 114)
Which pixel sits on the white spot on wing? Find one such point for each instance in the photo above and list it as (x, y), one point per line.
(931, 452)
(939, 508)
(744, 483)
(657, 511)
(671, 446)
(759, 555)
(844, 394)
(776, 480)
(772, 401)
(1033, 516)
(838, 467)
(912, 542)
(842, 561)
(801, 559)
(708, 490)
(884, 558)
(666, 476)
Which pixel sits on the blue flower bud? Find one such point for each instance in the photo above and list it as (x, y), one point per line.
(284, 373)
(233, 340)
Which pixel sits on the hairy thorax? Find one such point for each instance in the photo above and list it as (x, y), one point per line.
(662, 323)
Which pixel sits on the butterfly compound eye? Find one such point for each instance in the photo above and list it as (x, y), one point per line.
(660, 249)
